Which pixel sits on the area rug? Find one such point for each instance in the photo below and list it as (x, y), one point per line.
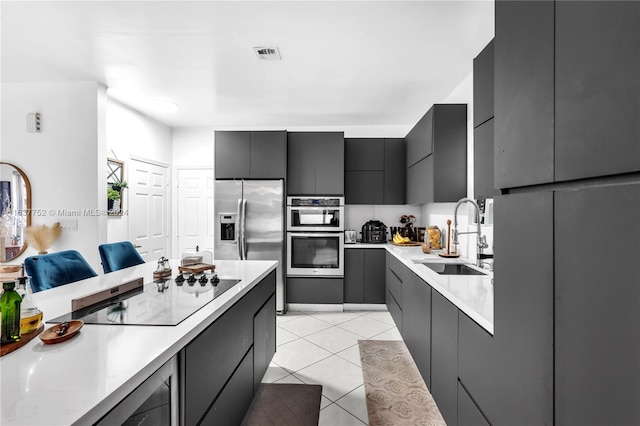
(395, 391)
(285, 404)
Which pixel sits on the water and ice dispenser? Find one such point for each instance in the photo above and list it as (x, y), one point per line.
(228, 226)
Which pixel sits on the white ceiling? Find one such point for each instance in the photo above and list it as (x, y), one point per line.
(344, 63)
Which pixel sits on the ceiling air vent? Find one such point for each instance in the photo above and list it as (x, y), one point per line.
(267, 53)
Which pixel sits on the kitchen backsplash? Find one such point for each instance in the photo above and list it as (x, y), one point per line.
(437, 214)
(357, 215)
(432, 214)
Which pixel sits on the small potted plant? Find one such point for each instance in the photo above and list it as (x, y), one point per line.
(112, 196)
(15, 240)
(119, 186)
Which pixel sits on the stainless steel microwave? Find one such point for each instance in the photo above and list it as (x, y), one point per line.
(325, 214)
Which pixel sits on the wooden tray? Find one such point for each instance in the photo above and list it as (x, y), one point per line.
(24, 339)
(50, 336)
(197, 268)
(449, 255)
(409, 244)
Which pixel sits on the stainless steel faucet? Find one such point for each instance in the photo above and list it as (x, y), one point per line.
(481, 239)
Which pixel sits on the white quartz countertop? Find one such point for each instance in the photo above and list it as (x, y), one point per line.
(472, 294)
(80, 380)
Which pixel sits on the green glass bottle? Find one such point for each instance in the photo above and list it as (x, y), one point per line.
(10, 313)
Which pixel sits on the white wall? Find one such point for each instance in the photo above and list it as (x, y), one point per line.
(130, 133)
(62, 161)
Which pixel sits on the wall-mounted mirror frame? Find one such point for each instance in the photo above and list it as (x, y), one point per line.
(15, 211)
(115, 177)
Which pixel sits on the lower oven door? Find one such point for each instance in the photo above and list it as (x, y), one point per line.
(312, 254)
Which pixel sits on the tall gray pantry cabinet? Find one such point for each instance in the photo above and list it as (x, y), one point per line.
(567, 161)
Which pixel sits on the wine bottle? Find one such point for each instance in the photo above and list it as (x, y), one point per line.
(10, 313)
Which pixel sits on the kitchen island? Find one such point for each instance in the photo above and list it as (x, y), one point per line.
(83, 379)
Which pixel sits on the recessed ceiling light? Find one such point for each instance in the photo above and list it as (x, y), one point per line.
(267, 53)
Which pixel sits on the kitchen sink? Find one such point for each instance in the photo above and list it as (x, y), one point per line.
(452, 268)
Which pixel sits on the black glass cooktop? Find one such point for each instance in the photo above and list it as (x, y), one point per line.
(161, 302)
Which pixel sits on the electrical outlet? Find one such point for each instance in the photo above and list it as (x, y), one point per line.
(69, 224)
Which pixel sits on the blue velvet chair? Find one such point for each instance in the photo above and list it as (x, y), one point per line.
(56, 269)
(116, 256)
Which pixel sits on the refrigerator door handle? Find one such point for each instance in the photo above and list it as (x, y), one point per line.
(243, 238)
(239, 230)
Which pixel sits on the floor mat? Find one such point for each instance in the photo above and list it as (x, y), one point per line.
(285, 404)
(395, 391)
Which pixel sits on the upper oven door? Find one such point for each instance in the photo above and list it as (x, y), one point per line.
(311, 254)
(306, 218)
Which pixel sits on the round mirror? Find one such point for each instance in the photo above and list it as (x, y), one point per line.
(15, 211)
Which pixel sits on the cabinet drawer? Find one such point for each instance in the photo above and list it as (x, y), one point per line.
(395, 311)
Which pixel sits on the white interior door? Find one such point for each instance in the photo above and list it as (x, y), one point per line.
(195, 210)
(149, 207)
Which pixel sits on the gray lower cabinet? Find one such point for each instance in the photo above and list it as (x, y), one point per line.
(394, 283)
(416, 322)
(468, 412)
(315, 290)
(364, 276)
(597, 306)
(254, 155)
(231, 406)
(437, 156)
(354, 275)
(264, 340)
(315, 163)
(510, 374)
(444, 356)
(217, 368)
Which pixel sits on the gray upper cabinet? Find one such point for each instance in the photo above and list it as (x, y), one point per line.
(483, 132)
(364, 154)
(567, 90)
(252, 155)
(597, 88)
(233, 154)
(374, 171)
(483, 160)
(420, 139)
(483, 85)
(315, 163)
(394, 171)
(441, 174)
(597, 306)
(524, 55)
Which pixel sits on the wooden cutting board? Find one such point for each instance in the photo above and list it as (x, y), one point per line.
(24, 339)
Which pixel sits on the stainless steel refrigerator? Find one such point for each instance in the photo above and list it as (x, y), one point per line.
(249, 220)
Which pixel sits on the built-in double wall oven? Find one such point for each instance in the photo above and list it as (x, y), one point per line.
(315, 236)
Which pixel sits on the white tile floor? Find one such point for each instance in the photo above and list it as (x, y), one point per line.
(322, 348)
